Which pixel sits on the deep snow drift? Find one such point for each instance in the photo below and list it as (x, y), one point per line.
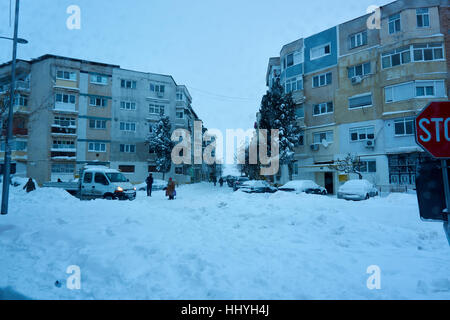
(212, 243)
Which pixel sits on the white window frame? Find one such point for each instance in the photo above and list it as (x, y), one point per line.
(363, 69)
(127, 148)
(133, 84)
(322, 46)
(358, 36)
(72, 76)
(324, 105)
(178, 112)
(425, 12)
(366, 163)
(156, 109)
(69, 96)
(92, 147)
(103, 102)
(289, 83)
(58, 119)
(368, 130)
(98, 125)
(399, 51)
(427, 46)
(63, 168)
(63, 144)
(127, 126)
(328, 134)
(128, 105)
(403, 122)
(360, 96)
(319, 77)
(95, 77)
(392, 21)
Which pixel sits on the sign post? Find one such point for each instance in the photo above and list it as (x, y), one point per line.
(433, 135)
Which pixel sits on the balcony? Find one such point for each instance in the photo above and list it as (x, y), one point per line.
(63, 130)
(65, 107)
(20, 131)
(23, 85)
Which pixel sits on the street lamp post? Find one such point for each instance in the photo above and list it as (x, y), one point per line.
(7, 163)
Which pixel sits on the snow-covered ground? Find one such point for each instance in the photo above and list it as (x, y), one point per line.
(212, 243)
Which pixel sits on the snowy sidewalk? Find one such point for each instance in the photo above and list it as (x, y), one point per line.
(212, 243)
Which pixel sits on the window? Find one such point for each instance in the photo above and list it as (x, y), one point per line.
(64, 122)
(359, 70)
(98, 79)
(290, 60)
(152, 169)
(87, 177)
(428, 52)
(66, 75)
(126, 168)
(20, 100)
(423, 17)
(319, 137)
(96, 147)
(101, 179)
(301, 139)
(417, 89)
(66, 168)
(97, 124)
(127, 105)
(98, 102)
(394, 23)
(362, 134)
(294, 84)
(65, 98)
(129, 84)
(320, 51)
(180, 114)
(128, 126)
(360, 101)
(157, 87)
(368, 166)
(300, 111)
(179, 96)
(63, 144)
(358, 39)
(323, 108)
(404, 127)
(178, 170)
(156, 109)
(322, 80)
(128, 148)
(396, 57)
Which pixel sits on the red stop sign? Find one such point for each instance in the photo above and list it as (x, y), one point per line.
(433, 129)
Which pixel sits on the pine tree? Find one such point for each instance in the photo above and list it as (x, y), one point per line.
(160, 142)
(277, 111)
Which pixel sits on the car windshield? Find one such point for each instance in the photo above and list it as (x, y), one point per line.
(116, 177)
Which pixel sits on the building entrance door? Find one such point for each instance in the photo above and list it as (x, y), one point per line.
(329, 182)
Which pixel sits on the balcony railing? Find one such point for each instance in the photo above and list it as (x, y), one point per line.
(20, 85)
(63, 130)
(20, 131)
(65, 107)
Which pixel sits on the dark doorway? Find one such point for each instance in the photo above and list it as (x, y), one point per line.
(329, 183)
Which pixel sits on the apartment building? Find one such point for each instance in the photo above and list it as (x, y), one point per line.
(358, 90)
(72, 112)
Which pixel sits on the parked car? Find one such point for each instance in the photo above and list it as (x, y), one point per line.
(256, 186)
(157, 185)
(307, 186)
(357, 190)
(238, 182)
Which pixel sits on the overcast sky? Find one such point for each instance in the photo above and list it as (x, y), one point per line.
(218, 49)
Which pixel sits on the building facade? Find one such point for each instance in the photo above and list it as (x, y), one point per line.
(358, 90)
(71, 112)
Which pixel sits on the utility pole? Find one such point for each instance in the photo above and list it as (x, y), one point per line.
(9, 130)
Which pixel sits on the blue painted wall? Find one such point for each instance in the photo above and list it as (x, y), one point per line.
(324, 37)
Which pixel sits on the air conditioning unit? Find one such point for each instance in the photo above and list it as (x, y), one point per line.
(370, 143)
(357, 79)
(314, 147)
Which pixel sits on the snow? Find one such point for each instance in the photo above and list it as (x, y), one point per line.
(212, 243)
(300, 185)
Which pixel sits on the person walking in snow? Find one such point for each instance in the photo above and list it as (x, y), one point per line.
(221, 182)
(149, 182)
(170, 190)
(30, 186)
(214, 178)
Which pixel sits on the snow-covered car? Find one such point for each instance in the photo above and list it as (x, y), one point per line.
(257, 186)
(357, 190)
(157, 185)
(307, 186)
(238, 182)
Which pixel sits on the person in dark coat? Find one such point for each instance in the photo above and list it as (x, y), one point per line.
(214, 180)
(149, 182)
(170, 190)
(29, 185)
(221, 182)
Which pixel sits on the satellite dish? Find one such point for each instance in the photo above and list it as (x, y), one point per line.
(325, 143)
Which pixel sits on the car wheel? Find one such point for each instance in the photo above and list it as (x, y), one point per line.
(367, 197)
(324, 193)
